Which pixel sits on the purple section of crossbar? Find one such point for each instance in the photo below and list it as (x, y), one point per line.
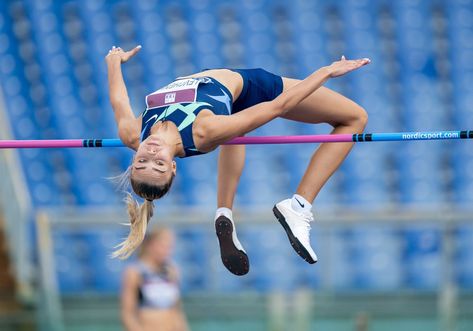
(291, 139)
(165, 98)
(41, 143)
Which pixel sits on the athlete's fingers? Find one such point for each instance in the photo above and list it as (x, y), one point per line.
(135, 50)
(362, 62)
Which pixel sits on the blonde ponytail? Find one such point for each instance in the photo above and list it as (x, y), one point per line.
(139, 218)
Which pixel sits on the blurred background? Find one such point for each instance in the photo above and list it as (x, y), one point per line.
(394, 229)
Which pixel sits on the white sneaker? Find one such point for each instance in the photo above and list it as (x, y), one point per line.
(233, 255)
(297, 227)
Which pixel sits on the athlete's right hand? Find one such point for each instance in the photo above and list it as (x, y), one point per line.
(339, 68)
(118, 53)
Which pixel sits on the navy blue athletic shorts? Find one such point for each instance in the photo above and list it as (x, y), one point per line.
(259, 86)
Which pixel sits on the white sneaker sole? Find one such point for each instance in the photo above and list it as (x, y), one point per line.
(295, 243)
(235, 260)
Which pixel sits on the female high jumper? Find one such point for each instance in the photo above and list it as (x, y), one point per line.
(196, 114)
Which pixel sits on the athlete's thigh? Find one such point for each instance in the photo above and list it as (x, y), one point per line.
(322, 106)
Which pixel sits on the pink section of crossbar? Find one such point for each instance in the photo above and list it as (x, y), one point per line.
(67, 143)
(41, 143)
(291, 139)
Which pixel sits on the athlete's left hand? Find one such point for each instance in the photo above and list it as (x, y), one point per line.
(117, 52)
(339, 68)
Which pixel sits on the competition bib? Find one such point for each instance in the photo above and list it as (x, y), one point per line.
(180, 91)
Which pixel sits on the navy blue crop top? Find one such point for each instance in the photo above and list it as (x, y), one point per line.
(180, 102)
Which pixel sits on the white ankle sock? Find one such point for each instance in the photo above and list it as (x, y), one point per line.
(300, 204)
(227, 212)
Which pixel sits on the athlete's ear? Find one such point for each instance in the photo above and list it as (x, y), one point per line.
(174, 168)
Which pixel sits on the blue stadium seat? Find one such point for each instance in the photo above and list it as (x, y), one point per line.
(376, 257)
(71, 252)
(421, 176)
(464, 256)
(337, 261)
(192, 256)
(107, 272)
(279, 259)
(422, 257)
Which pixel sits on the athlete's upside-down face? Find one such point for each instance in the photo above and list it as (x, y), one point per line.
(153, 162)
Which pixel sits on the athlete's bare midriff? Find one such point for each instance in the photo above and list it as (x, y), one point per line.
(230, 79)
(162, 320)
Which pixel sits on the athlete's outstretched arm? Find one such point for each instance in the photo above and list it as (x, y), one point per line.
(216, 130)
(124, 116)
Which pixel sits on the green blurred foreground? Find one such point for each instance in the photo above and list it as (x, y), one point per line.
(301, 311)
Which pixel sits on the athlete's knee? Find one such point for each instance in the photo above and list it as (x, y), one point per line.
(356, 118)
(361, 118)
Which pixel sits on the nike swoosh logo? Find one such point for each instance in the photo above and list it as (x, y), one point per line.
(143, 132)
(300, 204)
(155, 116)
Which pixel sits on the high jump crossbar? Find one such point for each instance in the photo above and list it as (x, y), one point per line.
(261, 140)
